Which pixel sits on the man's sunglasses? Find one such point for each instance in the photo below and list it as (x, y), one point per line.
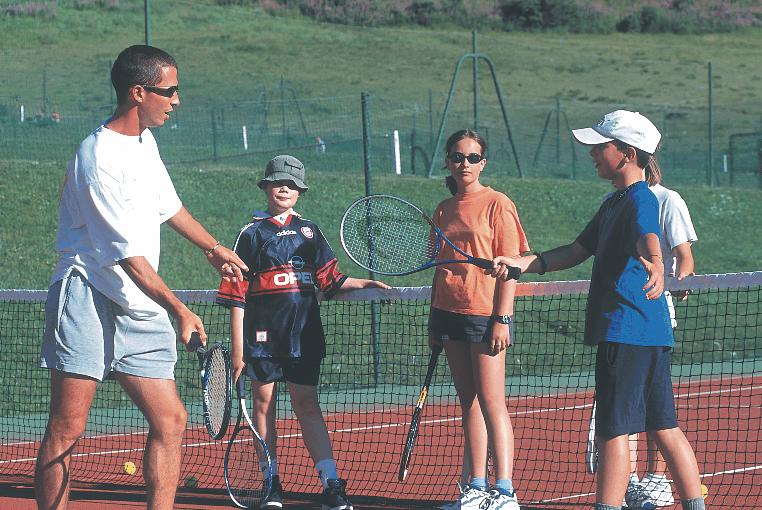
(459, 157)
(162, 91)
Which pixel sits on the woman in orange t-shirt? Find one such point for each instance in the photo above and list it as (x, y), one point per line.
(471, 314)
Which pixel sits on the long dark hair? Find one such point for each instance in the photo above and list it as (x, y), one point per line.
(457, 136)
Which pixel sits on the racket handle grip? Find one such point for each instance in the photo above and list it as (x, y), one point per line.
(194, 344)
(482, 263)
(513, 272)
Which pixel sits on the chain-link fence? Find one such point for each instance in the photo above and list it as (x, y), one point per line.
(327, 133)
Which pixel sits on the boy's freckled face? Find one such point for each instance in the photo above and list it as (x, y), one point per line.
(281, 196)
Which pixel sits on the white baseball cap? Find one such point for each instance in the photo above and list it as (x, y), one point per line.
(629, 127)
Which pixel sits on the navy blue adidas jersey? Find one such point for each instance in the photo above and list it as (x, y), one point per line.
(286, 264)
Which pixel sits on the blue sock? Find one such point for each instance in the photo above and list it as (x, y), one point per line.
(504, 485)
(326, 469)
(479, 483)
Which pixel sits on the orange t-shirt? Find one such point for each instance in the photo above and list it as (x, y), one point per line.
(483, 224)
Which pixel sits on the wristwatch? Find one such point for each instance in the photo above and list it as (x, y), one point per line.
(502, 319)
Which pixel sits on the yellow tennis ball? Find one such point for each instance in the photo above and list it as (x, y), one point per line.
(704, 490)
(130, 468)
(191, 482)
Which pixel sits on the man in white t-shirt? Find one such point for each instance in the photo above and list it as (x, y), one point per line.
(107, 312)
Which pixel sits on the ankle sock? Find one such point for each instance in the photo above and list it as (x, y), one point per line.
(504, 484)
(326, 469)
(479, 483)
(694, 504)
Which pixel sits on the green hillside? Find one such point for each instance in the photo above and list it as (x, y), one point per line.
(553, 212)
(230, 57)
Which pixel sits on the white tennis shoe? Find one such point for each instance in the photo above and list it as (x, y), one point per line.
(470, 499)
(658, 489)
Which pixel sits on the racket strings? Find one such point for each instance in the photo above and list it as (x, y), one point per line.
(388, 235)
(245, 477)
(216, 393)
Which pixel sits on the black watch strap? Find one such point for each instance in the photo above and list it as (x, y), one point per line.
(502, 319)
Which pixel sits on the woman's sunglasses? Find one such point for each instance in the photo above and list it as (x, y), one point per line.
(459, 157)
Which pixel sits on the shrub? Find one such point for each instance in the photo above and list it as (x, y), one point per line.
(553, 14)
(33, 9)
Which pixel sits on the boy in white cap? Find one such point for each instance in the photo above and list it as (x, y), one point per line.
(276, 331)
(626, 314)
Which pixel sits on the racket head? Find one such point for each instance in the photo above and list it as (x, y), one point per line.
(247, 465)
(216, 388)
(591, 451)
(388, 235)
(407, 453)
(412, 435)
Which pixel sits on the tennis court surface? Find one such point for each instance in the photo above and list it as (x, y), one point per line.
(370, 380)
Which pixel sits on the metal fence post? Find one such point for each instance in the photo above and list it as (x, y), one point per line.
(375, 307)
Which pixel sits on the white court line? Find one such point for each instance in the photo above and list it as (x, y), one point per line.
(403, 424)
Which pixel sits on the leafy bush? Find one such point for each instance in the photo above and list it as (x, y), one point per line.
(579, 16)
(684, 17)
(553, 15)
(33, 9)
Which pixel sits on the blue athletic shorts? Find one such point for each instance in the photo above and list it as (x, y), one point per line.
(88, 334)
(304, 370)
(633, 389)
(465, 328)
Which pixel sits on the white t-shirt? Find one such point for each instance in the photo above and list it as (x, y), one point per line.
(676, 229)
(116, 195)
(675, 223)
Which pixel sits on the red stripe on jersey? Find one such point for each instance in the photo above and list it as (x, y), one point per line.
(233, 291)
(328, 276)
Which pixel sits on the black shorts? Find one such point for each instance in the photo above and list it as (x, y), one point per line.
(465, 328)
(305, 370)
(633, 389)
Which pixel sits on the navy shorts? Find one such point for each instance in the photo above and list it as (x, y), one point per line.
(305, 370)
(633, 389)
(465, 328)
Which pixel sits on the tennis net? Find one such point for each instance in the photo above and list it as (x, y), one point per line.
(377, 357)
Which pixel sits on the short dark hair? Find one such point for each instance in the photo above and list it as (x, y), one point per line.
(138, 65)
(457, 136)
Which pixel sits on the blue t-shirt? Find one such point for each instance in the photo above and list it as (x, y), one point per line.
(617, 308)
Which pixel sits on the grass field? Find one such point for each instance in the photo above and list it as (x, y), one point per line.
(222, 196)
(232, 55)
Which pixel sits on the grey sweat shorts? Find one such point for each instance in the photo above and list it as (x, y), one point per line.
(88, 334)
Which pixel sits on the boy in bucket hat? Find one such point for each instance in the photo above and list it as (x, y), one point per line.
(276, 331)
(626, 315)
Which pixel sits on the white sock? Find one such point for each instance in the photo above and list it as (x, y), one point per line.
(326, 469)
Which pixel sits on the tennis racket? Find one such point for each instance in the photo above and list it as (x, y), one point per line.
(591, 453)
(413, 432)
(391, 236)
(216, 385)
(247, 466)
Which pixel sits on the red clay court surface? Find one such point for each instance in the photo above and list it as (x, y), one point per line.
(721, 418)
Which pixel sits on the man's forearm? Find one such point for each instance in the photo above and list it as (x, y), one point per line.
(187, 226)
(149, 281)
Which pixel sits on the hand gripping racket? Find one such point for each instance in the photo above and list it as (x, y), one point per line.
(413, 432)
(391, 236)
(216, 385)
(591, 452)
(247, 466)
